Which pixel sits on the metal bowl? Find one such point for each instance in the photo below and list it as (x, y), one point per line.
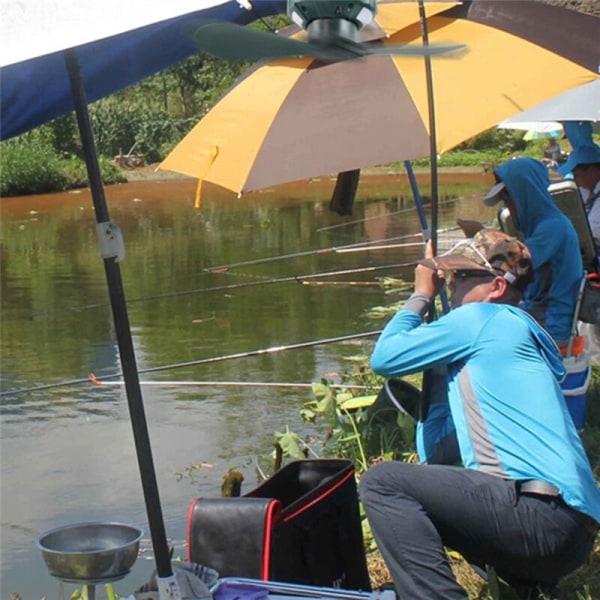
(90, 552)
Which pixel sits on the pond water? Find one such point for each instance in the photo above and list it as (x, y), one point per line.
(67, 451)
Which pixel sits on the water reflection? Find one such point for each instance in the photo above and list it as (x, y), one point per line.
(67, 451)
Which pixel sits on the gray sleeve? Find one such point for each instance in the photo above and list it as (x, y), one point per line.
(418, 303)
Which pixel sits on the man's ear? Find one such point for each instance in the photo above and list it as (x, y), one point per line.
(499, 287)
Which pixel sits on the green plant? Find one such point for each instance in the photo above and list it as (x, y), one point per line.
(29, 165)
(352, 430)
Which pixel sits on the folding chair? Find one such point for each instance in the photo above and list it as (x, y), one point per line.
(567, 197)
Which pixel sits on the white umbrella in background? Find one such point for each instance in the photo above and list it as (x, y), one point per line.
(577, 104)
(535, 130)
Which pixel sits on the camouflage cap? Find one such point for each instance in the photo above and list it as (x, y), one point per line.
(488, 250)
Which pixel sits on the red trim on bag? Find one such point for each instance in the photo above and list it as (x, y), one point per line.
(272, 516)
(328, 492)
(189, 527)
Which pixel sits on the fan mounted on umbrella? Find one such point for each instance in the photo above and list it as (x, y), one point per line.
(332, 28)
(331, 35)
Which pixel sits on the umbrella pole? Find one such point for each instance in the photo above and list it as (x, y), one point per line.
(122, 327)
(428, 379)
(423, 219)
(418, 201)
(432, 129)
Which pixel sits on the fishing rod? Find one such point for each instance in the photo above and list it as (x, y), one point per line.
(386, 215)
(246, 284)
(381, 247)
(364, 220)
(204, 361)
(297, 278)
(351, 283)
(336, 249)
(265, 384)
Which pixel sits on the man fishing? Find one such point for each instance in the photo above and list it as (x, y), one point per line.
(525, 501)
(552, 240)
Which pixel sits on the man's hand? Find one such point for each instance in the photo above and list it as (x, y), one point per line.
(428, 281)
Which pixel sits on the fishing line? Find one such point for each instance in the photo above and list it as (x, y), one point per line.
(234, 286)
(336, 249)
(365, 219)
(348, 283)
(203, 361)
(397, 212)
(267, 384)
(382, 247)
(227, 287)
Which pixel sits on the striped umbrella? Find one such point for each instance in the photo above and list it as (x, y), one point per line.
(296, 118)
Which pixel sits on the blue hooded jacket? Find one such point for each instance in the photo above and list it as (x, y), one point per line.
(504, 396)
(553, 243)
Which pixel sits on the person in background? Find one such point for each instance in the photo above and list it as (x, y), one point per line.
(522, 184)
(553, 151)
(525, 501)
(584, 164)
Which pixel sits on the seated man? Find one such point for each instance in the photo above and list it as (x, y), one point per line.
(525, 501)
(584, 163)
(552, 240)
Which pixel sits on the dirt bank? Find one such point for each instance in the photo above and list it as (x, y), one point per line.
(152, 173)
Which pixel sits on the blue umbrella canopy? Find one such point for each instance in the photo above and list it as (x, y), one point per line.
(116, 45)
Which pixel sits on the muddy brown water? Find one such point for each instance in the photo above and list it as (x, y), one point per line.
(67, 452)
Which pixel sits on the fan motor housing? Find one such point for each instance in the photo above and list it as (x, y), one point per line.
(359, 12)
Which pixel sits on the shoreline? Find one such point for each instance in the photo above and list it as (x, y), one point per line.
(151, 172)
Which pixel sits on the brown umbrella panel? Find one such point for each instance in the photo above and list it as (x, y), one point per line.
(294, 119)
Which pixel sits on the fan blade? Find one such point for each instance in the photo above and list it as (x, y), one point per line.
(415, 50)
(354, 49)
(236, 42)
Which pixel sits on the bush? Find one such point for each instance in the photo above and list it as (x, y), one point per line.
(121, 126)
(29, 165)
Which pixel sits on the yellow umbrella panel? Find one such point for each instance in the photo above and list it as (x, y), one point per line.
(293, 119)
(498, 76)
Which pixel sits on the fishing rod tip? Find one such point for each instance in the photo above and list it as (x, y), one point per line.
(94, 379)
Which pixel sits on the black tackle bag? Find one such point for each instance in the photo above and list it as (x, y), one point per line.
(302, 525)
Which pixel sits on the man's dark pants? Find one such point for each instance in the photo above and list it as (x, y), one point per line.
(416, 510)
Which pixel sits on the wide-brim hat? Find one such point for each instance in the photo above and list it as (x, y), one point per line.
(582, 155)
